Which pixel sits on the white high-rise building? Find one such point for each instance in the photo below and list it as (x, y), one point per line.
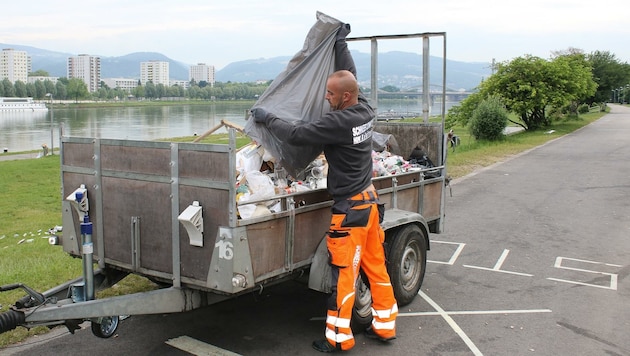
(202, 72)
(14, 65)
(86, 68)
(154, 71)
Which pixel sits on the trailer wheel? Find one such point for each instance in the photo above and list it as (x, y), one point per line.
(105, 327)
(407, 260)
(362, 311)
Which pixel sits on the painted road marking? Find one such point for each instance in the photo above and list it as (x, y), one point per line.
(613, 276)
(447, 316)
(499, 264)
(198, 348)
(471, 345)
(454, 256)
(478, 312)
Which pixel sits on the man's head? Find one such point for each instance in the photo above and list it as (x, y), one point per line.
(342, 90)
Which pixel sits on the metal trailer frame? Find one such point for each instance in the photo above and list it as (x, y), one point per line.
(167, 175)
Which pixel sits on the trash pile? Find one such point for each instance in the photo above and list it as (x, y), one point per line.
(259, 177)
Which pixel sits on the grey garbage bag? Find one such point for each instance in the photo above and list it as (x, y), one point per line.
(298, 93)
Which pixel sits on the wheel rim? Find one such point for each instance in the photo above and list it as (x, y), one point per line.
(108, 325)
(363, 300)
(410, 265)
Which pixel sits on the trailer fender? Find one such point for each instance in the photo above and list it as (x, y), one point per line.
(395, 218)
(320, 276)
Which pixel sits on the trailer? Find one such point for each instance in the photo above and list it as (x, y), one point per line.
(168, 211)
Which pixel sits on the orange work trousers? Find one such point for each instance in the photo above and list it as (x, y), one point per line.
(355, 242)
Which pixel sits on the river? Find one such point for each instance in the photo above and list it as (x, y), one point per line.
(27, 131)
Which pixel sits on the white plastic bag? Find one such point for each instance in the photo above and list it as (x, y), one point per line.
(260, 186)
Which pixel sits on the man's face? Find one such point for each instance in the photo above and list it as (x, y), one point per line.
(334, 95)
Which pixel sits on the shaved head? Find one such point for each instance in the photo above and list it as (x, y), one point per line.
(342, 90)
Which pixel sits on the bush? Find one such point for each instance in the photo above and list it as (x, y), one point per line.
(583, 109)
(489, 119)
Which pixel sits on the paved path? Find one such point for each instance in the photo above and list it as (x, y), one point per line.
(13, 157)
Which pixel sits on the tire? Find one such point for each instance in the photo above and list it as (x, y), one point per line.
(105, 327)
(362, 310)
(407, 260)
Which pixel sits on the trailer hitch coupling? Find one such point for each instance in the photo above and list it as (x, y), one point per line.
(34, 298)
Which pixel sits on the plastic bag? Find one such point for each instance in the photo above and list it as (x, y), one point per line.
(298, 93)
(249, 158)
(260, 186)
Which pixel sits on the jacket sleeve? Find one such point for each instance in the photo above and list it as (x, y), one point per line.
(343, 58)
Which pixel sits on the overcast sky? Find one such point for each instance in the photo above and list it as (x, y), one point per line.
(219, 32)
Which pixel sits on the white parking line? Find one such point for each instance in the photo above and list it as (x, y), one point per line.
(477, 312)
(471, 345)
(499, 264)
(198, 348)
(454, 256)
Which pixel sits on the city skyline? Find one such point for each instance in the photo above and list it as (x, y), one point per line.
(218, 34)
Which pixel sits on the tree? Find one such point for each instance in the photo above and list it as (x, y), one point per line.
(149, 90)
(573, 80)
(530, 85)
(31, 91)
(20, 89)
(39, 73)
(59, 91)
(40, 89)
(50, 87)
(9, 90)
(390, 89)
(138, 92)
(609, 74)
(460, 114)
(77, 89)
(160, 90)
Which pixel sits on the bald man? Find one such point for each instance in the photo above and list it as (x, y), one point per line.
(355, 238)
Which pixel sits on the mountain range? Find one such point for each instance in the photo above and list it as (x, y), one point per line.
(400, 69)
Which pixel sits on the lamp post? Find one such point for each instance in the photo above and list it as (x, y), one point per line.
(52, 140)
(617, 92)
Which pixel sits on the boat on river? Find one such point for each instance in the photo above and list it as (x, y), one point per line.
(21, 104)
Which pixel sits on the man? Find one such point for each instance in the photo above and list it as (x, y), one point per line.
(355, 239)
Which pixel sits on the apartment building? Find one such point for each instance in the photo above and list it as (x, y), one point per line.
(202, 73)
(121, 83)
(14, 65)
(182, 83)
(86, 68)
(34, 78)
(154, 71)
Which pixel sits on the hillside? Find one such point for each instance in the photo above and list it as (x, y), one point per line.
(400, 69)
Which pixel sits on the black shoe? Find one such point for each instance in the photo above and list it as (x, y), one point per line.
(370, 334)
(323, 346)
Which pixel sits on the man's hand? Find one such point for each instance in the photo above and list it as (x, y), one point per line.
(343, 31)
(260, 115)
